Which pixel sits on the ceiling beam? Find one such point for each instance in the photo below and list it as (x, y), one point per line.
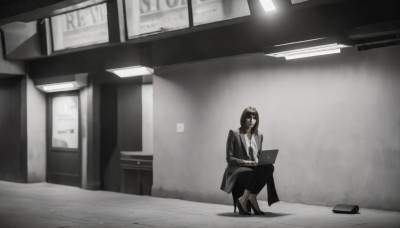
(28, 10)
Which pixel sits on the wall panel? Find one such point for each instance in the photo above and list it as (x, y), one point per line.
(335, 119)
(12, 135)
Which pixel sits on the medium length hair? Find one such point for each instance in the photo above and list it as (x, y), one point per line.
(247, 112)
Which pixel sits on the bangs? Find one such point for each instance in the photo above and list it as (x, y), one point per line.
(250, 113)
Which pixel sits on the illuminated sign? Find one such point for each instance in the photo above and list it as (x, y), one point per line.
(80, 28)
(150, 16)
(153, 16)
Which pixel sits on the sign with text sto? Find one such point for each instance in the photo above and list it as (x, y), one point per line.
(154, 16)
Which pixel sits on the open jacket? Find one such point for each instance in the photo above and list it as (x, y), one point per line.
(235, 156)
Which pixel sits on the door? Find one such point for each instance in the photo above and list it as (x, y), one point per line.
(63, 141)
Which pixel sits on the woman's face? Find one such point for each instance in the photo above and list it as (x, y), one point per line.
(251, 121)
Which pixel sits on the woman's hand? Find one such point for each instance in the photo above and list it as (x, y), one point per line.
(250, 162)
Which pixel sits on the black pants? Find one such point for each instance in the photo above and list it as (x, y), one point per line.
(255, 178)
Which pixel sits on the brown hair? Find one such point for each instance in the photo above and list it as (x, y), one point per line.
(247, 112)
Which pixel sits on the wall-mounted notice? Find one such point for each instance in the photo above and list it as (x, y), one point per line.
(80, 28)
(65, 122)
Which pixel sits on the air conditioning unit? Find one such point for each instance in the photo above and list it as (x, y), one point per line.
(376, 35)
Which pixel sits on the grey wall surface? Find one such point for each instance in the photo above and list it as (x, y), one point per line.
(84, 106)
(335, 119)
(36, 133)
(109, 159)
(130, 117)
(90, 117)
(22, 40)
(121, 129)
(147, 118)
(9, 67)
(12, 134)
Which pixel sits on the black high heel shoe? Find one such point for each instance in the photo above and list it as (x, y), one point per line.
(241, 210)
(254, 209)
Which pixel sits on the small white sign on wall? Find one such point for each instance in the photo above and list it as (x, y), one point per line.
(180, 127)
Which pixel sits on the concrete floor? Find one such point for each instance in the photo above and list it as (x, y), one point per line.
(47, 205)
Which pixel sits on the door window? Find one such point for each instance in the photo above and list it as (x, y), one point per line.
(65, 122)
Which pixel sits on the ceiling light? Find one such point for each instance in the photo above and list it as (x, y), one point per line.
(61, 83)
(308, 48)
(268, 5)
(58, 87)
(298, 1)
(310, 54)
(132, 71)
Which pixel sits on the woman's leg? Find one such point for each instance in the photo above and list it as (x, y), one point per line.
(263, 175)
(254, 202)
(259, 178)
(244, 198)
(244, 176)
(268, 170)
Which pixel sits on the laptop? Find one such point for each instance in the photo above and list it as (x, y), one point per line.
(267, 157)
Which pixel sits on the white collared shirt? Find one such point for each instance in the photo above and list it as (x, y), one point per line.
(253, 145)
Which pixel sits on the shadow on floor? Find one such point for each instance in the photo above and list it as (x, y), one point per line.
(267, 214)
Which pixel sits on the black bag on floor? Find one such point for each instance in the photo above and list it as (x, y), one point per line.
(346, 209)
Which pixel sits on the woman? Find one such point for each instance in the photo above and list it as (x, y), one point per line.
(242, 150)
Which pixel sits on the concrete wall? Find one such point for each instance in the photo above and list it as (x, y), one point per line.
(22, 40)
(9, 67)
(121, 129)
(129, 117)
(84, 106)
(12, 130)
(90, 136)
(147, 119)
(109, 155)
(36, 133)
(335, 119)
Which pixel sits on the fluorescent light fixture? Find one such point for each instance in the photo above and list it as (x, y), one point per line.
(132, 71)
(298, 1)
(61, 83)
(268, 5)
(304, 49)
(310, 54)
(58, 87)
